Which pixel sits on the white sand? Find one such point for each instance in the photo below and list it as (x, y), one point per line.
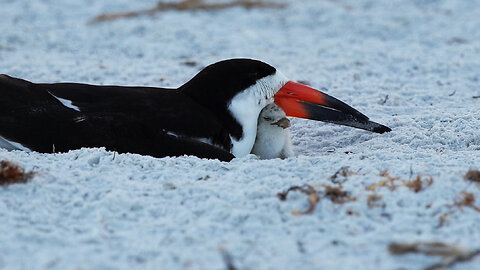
(89, 209)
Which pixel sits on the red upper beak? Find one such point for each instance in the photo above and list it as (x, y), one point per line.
(298, 100)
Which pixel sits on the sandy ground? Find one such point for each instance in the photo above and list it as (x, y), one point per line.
(411, 65)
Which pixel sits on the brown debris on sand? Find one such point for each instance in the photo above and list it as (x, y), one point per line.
(375, 200)
(450, 254)
(308, 190)
(473, 175)
(186, 5)
(388, 182)
(338, 195)
(417, 184)
(341, 175)
(13, 174)
(335, 194)
(468, 200)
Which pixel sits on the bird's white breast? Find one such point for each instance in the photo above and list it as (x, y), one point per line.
(246, 106)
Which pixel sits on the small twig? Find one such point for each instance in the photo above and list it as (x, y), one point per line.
(186, 5)
(190, 63)
(427, 248)
(449, 261)
(450, 253)
(384, 100)
(227, 258)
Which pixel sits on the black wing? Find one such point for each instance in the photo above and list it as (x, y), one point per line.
(143, 120)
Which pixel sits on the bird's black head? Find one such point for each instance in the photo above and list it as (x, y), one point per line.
(216, 85)
(221, 81)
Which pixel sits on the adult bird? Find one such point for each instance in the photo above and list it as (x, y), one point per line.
(214, 115)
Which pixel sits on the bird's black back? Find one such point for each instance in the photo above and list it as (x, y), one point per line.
(139, 120)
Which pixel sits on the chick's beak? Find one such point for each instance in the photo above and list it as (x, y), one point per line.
(283, 123)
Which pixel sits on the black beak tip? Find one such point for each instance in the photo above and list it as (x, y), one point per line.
(381, 129)
(345, 115)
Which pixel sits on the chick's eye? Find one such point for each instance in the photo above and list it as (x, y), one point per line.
(267, 118)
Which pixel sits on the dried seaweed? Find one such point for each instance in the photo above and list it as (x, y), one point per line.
(187, 5)
(418, 184)
(13, 174)
(335, 194)
(389, 182)
(344, 172)
(375, 200)
(450, 254)
(312, 198)
(468, 200)
(473, 175)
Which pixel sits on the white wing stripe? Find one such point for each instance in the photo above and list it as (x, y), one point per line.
(9, 145)
(67, 103)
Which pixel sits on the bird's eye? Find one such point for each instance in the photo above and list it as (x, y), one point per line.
(267, 118)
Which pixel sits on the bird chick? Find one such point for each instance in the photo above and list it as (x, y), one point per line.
(273, 137)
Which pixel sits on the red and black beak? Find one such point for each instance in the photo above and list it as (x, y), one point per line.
(298, 100)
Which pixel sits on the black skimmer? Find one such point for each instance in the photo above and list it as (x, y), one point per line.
(273, 137)
(214, 115)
